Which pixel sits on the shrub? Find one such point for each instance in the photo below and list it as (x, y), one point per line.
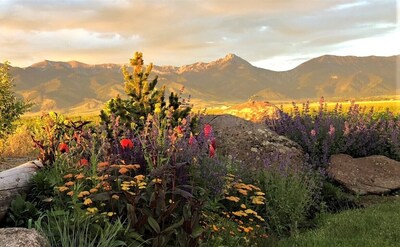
(291, 193)
(357, 132)
(11, 108)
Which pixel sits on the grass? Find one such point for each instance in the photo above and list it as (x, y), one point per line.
(376, 225)
(244, 111)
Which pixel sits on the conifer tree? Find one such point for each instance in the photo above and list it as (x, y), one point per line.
(143, 97)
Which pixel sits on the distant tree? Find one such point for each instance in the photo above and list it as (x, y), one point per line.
(11, 108)
(143, 97)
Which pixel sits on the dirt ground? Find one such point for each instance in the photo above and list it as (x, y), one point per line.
(7, 163)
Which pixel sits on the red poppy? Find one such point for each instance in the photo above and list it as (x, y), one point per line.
(212, 151)
(63, 148)
(207, 130)
(83, 162)
(126, 143)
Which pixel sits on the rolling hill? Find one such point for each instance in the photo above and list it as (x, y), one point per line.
(78, 87)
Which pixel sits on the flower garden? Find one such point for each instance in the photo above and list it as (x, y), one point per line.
(150, 175)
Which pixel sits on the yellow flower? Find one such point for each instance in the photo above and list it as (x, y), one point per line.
(259, 193)
(71, 193)
(258, 200)
(115, 197)
(157, 108)
(88, 201)
(83, 193)
(215, 228)
(157, 180)
(79, 176)
(233, 198)
(110, 214)
(243, 192)
(123, 170)
(254, 187)
(133, 167)
(243, 186)
(70, 183)
(243, 206)
(69, 175)
(93, 190)
(92, 210)
(259, 217)
(124, 187)
(63, 188)
(142, 185)
(139, 177)
(250, 211)
(239, 213)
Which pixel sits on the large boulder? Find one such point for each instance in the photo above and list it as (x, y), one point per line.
(374, 174)
(22, 237)
(249, 143)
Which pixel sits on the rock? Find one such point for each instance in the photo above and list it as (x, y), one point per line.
(22, 237)
(375, 174)
(249, 142)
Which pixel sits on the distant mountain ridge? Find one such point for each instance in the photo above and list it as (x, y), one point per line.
(66, 86)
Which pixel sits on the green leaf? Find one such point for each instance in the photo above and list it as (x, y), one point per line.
(153, 224)
(197, 231)
(182, 193)
(172, 227)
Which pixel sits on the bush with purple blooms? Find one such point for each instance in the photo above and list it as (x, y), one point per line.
(358, 132)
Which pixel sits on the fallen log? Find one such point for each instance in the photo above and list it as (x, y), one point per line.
(15, 181)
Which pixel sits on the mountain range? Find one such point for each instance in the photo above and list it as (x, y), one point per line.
(77, 87)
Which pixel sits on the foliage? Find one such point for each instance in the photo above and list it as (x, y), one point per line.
(55, 132)
(21, 213)
(292, 193)
(358, 132)
(336, 199)
(11, 108)
(235, 216)
(70, 229)
(143, 98)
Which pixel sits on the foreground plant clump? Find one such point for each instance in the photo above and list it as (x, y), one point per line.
(144, 176)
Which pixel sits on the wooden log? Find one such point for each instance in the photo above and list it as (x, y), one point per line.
(14, 181)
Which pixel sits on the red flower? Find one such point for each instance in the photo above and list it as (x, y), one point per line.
(207, 130)
(192, 140)
(63, 148)
(126, 143)
(179, 130)
(83, 162)
(213, 144)
(212, 151)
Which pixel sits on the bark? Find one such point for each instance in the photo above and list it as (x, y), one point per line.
(14, 181)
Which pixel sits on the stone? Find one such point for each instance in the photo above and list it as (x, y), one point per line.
(248, 142)
(22, 237)
(374, 174)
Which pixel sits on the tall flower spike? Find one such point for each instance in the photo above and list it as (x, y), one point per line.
(207, 130)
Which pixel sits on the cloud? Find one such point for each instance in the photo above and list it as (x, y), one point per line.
(180, 32)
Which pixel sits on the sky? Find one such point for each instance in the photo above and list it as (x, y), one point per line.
(271, 34)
